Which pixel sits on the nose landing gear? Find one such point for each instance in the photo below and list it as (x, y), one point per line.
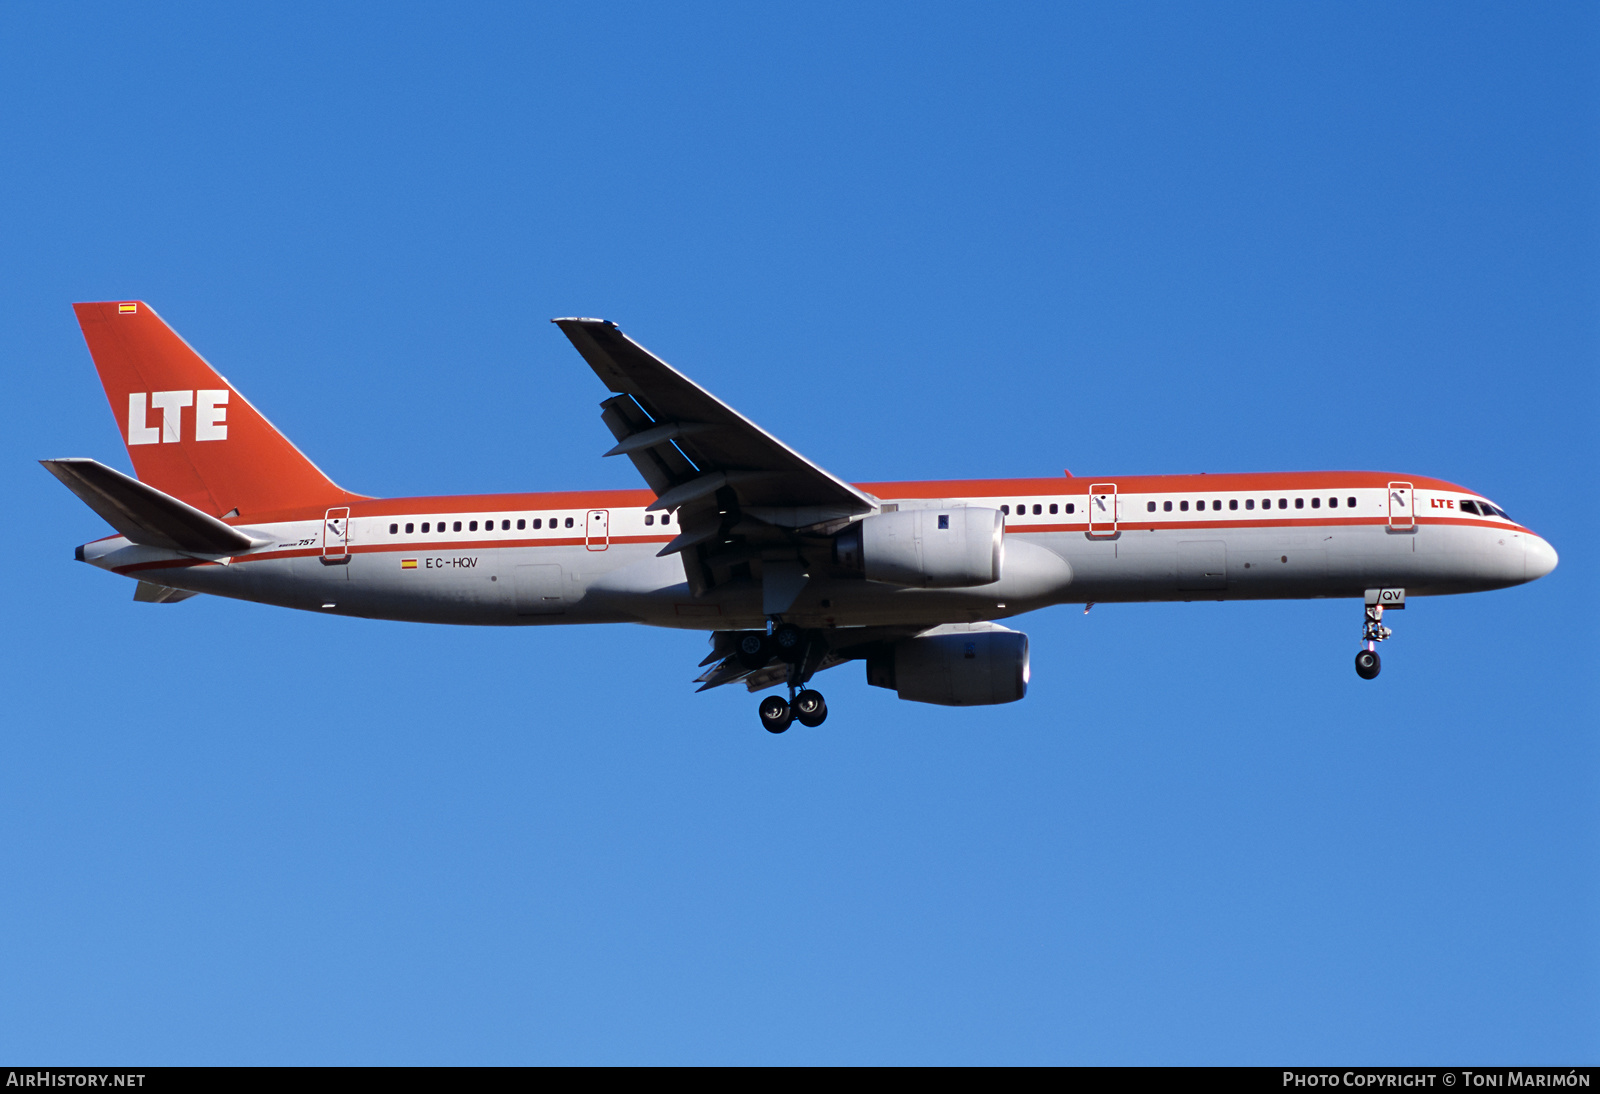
(1368, 663)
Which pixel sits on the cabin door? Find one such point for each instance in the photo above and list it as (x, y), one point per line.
(1402, 506)
(336, 536)
(597, 530)
(1103, 509)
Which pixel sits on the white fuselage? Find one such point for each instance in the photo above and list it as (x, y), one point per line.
(1123, 540)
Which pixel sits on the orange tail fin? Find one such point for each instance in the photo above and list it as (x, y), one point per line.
(189, 433)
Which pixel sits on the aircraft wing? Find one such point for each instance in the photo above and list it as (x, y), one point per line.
(696, 452)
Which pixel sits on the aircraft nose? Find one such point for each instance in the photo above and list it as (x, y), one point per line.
(1538, 559)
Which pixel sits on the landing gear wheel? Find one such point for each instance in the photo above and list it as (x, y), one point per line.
(789, 642)
(810, 708)
(1367, 664)
(775, 714)
(753, 650)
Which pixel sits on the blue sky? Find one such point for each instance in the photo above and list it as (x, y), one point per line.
(915, 243)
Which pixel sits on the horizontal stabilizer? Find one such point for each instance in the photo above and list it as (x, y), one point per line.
(148, 592)
(144, 514)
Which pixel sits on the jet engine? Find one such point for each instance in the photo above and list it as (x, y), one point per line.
(926, 548)
(960, 665)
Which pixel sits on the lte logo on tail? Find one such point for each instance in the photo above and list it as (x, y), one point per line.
(210, 416)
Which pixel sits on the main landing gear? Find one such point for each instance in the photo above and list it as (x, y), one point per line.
(1368, 663)
(791, 645)
(808, 708)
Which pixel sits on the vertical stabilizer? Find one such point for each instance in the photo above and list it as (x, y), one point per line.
(189, 433)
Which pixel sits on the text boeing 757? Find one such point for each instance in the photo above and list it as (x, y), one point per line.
(790, 568)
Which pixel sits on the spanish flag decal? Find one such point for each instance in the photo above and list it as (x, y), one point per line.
(408, 564)
(127, 309)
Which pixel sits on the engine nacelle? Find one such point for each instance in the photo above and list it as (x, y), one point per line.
(926, 548)
(962, 665)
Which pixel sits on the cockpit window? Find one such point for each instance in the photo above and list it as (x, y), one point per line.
(1496, 510)
(1470, 507)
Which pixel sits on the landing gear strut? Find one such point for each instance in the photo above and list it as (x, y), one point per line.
(1368, 664)
(797, 649)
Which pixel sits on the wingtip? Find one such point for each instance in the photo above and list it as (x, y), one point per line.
(582, 319)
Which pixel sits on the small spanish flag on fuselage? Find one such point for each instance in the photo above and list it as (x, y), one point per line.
(408, 564)
(127, 309)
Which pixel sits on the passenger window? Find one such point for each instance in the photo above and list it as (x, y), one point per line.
(1053, 509)
(1022, 508)
(1299, 503)
(649, 519)
(1266, 503)
(424, 526)
(457, 527)
(1350, 503)
(569, 522)
(393, 528)
(1184, 506)
(1233, 503)
(1316, 503)
(537, 523)
(1006, 509)
(1166, 507)
(1216, 505)
(505, 526)
(521, 524)
(1038, 509)
(1150, 507)
(1249, 503)
(1283, 503)
(472, 526)
(666, 518)
(409, 528)
(1333, 503)
(1071, 508)
(944, 520)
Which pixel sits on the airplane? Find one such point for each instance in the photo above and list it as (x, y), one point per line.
(792, 569)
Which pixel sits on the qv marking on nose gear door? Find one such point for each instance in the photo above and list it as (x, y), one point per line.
(597, 530)
(336, 536)
(1103, 509)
